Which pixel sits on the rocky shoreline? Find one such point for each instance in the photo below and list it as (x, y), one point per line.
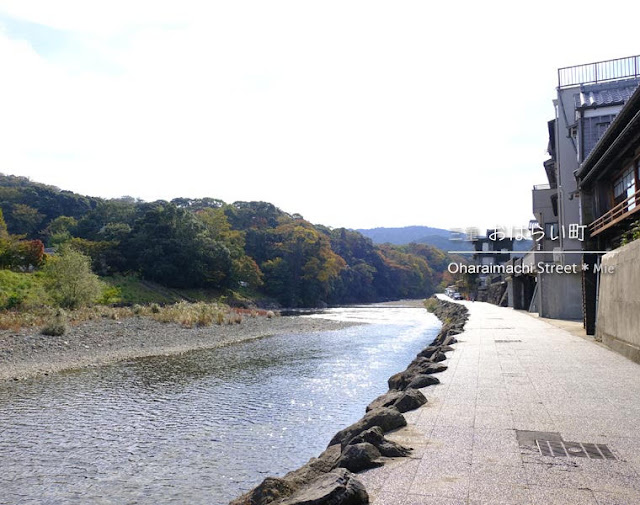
(329, 479)
(26, 353)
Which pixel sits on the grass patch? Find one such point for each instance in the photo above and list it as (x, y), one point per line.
(199, 295)
(133, 290)
(19, 290)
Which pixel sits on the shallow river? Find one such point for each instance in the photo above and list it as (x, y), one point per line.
(203, 427)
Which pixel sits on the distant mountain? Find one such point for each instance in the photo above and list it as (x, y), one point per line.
(437, 237)
(405, 235)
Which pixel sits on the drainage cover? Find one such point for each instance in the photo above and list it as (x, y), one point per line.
(552, 444)
(564, 449)
(511, 341)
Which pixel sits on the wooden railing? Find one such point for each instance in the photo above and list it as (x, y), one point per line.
(624, 209)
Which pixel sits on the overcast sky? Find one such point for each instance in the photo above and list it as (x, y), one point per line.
(351, 113)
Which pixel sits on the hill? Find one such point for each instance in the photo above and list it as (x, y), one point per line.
(250, 248)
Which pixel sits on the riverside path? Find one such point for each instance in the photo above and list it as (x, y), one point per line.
(526, 413)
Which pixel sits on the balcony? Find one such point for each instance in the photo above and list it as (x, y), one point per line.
(600, 71)
(622, 211)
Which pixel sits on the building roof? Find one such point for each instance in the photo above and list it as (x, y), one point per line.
(624, 127)
(609, 93)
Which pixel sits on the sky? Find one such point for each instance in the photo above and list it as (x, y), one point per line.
(351, 113)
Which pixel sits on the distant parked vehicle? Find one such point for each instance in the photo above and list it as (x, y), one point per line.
(457, 296)
(449, 291)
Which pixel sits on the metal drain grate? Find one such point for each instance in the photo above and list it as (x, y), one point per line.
(562, 449)
(510, 341)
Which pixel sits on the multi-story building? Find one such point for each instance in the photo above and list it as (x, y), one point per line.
(588, 99)
(609, 183)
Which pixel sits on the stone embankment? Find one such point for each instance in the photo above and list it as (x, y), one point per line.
(329, 479)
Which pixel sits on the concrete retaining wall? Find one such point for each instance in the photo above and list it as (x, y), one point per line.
(618, 323)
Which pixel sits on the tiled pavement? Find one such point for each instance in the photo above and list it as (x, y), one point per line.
(512, 373)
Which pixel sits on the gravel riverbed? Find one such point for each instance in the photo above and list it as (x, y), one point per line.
(93, 343)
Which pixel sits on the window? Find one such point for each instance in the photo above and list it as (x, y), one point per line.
(601, 128)
(624, 187)
(573, 131)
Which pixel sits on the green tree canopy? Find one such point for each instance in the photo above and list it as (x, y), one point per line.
(169, 245)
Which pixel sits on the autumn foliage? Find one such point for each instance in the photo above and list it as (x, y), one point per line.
(206, 243)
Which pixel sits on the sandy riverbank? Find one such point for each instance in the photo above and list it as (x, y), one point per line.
(27, 353)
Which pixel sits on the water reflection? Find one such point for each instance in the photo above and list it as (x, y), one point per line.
(200, 427)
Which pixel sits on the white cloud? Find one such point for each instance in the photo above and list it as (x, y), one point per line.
(102, 18)
(351, 113)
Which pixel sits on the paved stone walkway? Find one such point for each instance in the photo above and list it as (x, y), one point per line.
(512, 374)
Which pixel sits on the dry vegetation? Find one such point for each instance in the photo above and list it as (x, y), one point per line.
(184, 313)
(430, 304)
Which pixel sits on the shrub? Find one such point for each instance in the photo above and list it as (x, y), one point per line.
(633, 233)
(204, 316)
(110, 295)
(57, 326)
(70, 281)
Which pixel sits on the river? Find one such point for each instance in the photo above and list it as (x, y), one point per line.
(202, 427)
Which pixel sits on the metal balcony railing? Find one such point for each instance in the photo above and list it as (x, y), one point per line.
(624, 209)
(600, 71)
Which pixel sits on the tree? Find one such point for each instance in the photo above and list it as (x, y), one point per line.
(18, 254)
(60, 230)
(171, 246)
(244, 269)
(94, 224)
(30, 254)
(69, 279)
(6, 245)
(104, 255)
(4, 233)
(25, 219)
(303, 266)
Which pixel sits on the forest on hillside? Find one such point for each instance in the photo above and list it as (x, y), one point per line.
(206, 243)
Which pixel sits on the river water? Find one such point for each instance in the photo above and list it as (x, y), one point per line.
(202, 427)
